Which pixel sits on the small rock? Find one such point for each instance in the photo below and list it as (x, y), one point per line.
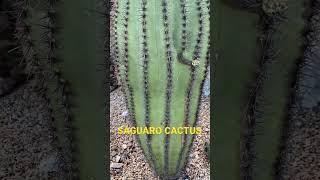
(49, 164)
(118, 158)
(118, 170)
(298, 123)
(116, 165)
(129, 144)
(124, 113)
(113, 153)
(206, 86)
(124, 146)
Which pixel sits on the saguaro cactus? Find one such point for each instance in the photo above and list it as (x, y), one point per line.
(162, 54)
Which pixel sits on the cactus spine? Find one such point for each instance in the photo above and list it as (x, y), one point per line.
(157, 41)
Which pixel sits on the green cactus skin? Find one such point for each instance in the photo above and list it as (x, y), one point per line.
(68, 75)
(265, 113)
(272, 101)
(269, 95)
(266, 107)
(83, 45)
(156, 43)
(235, 59)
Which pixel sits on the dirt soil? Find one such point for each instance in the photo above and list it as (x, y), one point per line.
(27, 140)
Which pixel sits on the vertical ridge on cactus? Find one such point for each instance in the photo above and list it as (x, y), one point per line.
(168, 49)
(269, 26)
(145, 57)
(161, 90)
(272, 101)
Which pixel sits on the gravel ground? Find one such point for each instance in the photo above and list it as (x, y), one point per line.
(301, 156)
(127, 159)
(27, 148)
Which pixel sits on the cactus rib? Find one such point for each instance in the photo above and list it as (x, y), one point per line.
(169, 84)
(145, 57)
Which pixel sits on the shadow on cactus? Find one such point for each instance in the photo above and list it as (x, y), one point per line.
(263, 61)
(60, 43)
(162, 55)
